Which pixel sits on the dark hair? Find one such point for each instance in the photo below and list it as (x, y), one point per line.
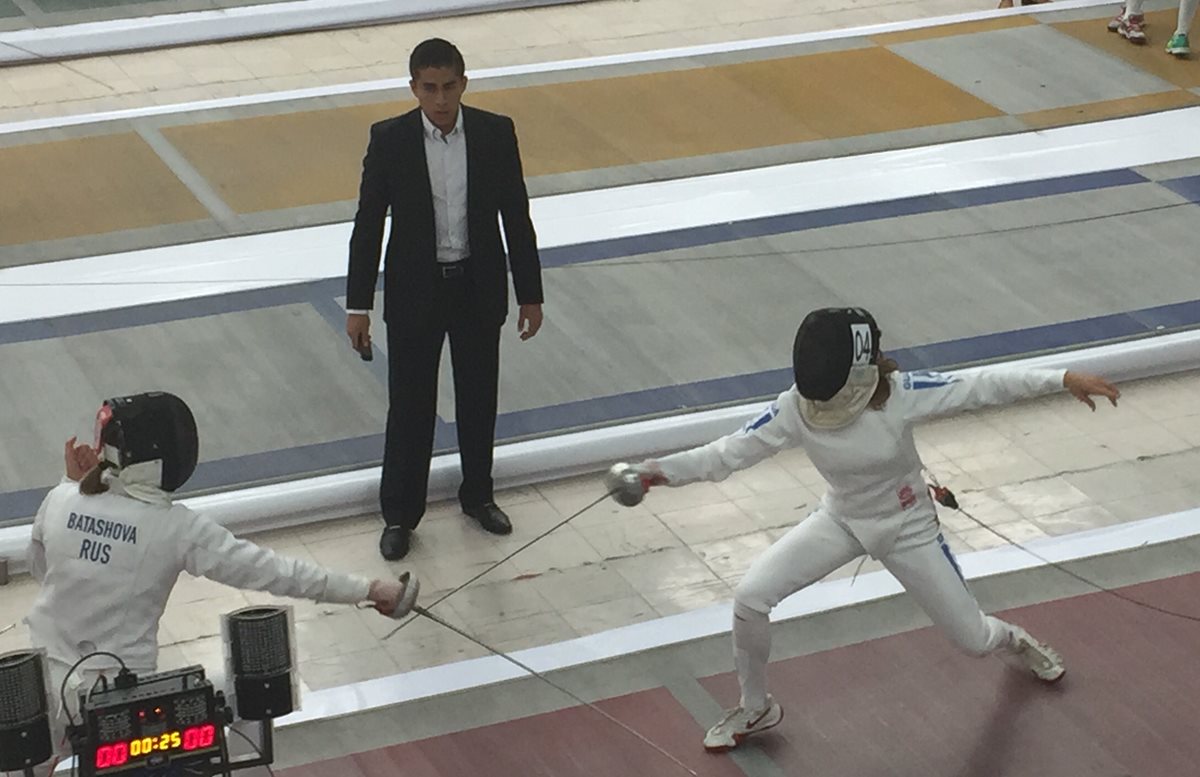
(93, 482)
(436, 52)
(887, 366)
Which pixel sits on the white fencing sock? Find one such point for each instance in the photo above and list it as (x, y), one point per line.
(751, 649)
(1187, 12)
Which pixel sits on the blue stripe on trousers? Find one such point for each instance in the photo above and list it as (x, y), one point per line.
(950, 557)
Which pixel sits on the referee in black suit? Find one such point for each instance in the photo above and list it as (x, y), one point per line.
(446, 172)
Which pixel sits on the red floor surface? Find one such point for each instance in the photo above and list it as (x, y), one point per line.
(575, 741)
(911, 706)
(903, 706)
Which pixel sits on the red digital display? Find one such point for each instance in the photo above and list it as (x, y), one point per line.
(119, 754)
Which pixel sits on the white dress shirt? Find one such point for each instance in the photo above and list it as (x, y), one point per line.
(446, 161)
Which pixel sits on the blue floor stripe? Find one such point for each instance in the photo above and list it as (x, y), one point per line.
(1005, 344)
(162, 312)
(817, 219)
(1180, 314)
(988, 195)
(367, 451)
(238, 470)
(335, 315)
(364, 451)
(285, 463)
(82, 323)
(21, 504)
(657, 401)
(1188, 187)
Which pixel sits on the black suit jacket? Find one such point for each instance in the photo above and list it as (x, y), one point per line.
(395, 176)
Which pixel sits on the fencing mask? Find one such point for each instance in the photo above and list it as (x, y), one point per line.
(834, 362)
(155, 431)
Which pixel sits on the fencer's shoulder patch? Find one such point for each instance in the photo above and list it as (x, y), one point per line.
(763, 418)
(927, 379)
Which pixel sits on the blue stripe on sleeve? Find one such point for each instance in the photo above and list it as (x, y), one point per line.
(927, 380)
(763, 419)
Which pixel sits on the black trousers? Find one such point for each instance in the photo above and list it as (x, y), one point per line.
(414, 352)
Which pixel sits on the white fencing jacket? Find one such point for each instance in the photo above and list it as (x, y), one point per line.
(872, 468)
(107, 564)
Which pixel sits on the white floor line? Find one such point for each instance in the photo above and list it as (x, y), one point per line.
(231, 264)
(401, 83)
(714, 620)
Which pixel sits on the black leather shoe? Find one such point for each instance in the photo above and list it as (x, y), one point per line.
(394, 542)
(490, 517)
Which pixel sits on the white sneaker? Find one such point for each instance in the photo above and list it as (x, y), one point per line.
(737, 724)
(1131, 28)
(1027, 653)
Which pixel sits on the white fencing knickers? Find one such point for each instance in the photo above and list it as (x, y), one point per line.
(818, 546)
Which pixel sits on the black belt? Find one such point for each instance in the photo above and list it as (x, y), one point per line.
(452, 269)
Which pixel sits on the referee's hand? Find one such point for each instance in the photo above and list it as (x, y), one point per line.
(529, 321)
(358, 328)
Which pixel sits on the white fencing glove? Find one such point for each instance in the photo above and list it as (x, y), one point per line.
(395, 598)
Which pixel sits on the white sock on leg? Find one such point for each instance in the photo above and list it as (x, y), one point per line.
(1133, 7)
(751, 649)
(1187, 12)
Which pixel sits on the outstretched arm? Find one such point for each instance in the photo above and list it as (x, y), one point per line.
(1084, 386)
(932, 394)
(212, 551)
(717, 460)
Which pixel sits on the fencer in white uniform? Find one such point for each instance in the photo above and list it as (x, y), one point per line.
(107, 550)
(853, 414)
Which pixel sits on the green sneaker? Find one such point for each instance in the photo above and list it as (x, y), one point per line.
(1178, 45)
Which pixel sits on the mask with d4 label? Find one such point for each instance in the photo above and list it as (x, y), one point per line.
(834, 361)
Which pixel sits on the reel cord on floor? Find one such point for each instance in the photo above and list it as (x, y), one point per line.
(946, 498)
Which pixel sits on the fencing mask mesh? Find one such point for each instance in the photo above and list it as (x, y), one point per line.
(834, 363)
(151, 427)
